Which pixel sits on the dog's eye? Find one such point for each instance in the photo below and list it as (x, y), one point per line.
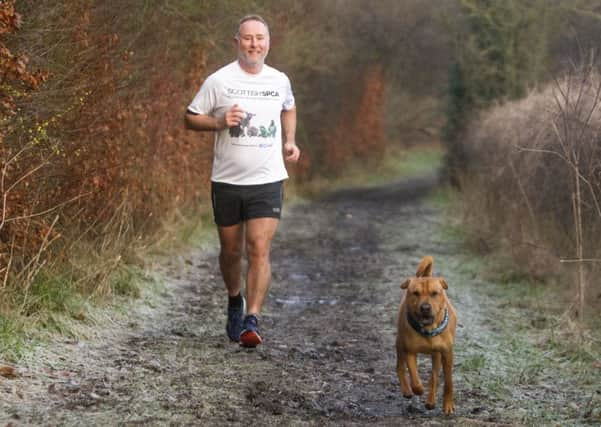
(416, 293)
(435, 293)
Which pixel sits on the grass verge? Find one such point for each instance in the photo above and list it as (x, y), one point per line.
(72, 299)
(529, 360)
(398, 163)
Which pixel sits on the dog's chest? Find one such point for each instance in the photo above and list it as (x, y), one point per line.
(438, 343)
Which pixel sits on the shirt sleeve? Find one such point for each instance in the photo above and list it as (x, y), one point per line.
(288, 103)
(206, 99)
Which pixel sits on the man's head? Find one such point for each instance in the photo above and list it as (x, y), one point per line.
(252, 41)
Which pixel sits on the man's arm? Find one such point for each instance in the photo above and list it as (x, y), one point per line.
(232, 117)
(291, 150)
(202, 122)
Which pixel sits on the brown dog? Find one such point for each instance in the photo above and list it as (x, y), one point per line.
(427, 323)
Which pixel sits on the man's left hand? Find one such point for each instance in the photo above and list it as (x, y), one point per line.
(291, 152)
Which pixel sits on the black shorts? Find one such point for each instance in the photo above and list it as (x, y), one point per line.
(233, 204)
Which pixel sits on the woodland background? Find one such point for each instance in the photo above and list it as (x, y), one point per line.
(95, 160)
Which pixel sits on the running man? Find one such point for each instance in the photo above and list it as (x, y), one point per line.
(250, 107)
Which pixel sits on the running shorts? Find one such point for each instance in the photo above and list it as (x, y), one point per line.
(233, 204)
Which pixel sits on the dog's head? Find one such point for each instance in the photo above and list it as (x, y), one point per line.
(425, 298)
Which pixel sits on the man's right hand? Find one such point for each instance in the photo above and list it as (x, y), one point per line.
(231, 118)
(203, 122)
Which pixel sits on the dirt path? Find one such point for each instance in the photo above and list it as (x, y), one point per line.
(329, 328)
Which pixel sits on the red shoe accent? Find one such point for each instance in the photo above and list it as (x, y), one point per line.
(250, 339)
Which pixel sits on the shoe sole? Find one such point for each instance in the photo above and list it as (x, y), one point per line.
(250, 339)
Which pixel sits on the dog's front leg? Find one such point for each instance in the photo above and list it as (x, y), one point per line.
(436, 363)
(448, 406)
(401, 370)
(416, 384)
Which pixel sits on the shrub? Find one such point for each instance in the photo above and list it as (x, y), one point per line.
(533, 179)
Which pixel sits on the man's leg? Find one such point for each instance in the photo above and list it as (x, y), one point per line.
(259, 233)
(231, 239)
(230, 263)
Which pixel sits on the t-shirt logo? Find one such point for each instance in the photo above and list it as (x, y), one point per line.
(245, 129)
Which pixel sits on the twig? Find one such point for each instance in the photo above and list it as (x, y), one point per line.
(10, 261)
(33, 215)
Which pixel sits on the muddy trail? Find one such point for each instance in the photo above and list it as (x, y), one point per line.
(329, 327)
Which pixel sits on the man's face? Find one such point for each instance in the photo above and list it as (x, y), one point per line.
(253, 44)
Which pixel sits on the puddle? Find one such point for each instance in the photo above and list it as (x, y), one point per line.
(304, 301)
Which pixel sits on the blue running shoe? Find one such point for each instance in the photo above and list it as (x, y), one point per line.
(249, 337)
(235, 315)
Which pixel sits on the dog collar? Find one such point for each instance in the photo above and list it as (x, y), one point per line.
(436, 331)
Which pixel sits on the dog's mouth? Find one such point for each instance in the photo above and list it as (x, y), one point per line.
(426, 320)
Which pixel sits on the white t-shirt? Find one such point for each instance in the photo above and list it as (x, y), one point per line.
(252, 152)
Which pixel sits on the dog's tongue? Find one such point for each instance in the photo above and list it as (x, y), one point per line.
(427, 321)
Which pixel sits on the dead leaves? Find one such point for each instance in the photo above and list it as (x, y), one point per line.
(8, 372)
(13, 67)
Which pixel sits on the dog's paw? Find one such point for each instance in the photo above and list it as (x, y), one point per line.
(406, 391)
(417, 389)
(448, 408)
(430, 405)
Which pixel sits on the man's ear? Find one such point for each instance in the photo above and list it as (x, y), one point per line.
(405, 284)
(444, 284)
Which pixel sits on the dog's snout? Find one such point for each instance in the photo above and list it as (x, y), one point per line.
(425, 308)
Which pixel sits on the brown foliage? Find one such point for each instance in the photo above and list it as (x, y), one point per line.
(19, 231)
(327, 47)
(102, 146)
(13, 67)
(359, 134)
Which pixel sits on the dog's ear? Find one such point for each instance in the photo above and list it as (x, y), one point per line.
(405, 284)
(444, 283)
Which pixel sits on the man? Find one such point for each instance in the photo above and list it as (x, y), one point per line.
(250, 107)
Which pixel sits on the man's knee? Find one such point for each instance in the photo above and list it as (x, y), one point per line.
(231, 253)
(258, 250)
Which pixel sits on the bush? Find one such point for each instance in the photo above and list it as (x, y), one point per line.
(533, 175)
(95, 159)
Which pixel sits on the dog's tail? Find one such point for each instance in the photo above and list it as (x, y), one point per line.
(424, 269)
